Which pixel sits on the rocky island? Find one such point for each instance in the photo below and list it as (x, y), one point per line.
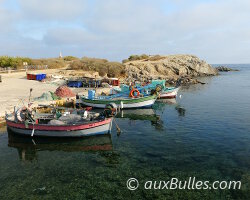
(171, 68)
(226, 69)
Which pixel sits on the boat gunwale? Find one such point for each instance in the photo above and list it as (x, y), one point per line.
(70, 127)
(125, 101)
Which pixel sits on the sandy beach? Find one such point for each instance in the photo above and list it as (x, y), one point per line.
(15, 88)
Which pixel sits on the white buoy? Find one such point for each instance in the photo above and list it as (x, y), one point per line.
(85, 114)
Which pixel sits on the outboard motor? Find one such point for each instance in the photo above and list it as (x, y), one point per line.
(23, 114)
(109, 110)
(158, 88)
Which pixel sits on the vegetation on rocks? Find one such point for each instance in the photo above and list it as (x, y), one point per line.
(135, 57)
(70, 58)
(102, 66)
(52, 63)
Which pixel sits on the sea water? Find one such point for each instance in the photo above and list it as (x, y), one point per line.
(204, 134)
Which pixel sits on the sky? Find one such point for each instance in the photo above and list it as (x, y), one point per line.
(216, 31)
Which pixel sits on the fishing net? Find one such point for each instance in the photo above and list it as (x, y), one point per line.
(70, 119)
(54, 96)
(56, 122)
(64, 91)
(46, 96)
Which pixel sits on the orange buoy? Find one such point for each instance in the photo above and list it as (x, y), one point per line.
(132, 93)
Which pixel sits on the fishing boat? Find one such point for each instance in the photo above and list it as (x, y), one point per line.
(123, 101)
(80, 123)
(159, 85)
(169, 93)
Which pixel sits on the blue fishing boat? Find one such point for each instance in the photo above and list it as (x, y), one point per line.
(123, 100)
(165, 92)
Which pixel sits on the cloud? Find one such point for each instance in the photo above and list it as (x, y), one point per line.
(56, 10)
(68, 36)
(7, 18)
(216, 31)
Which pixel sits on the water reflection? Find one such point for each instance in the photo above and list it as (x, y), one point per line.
(2, 127)
(198, 87)
(162, 103)
(28, 147)
(181, 110)
(148, 114)
(167, 101)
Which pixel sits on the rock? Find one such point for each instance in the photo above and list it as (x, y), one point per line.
(225, 69)
(170, 68)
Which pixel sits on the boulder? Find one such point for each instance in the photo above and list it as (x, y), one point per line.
(225, 69)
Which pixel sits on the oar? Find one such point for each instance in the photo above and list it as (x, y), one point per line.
(33, 130)
(30, 94)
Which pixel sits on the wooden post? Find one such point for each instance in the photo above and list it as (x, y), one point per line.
(95, 83)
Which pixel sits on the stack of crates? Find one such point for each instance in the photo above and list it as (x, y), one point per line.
(75, 84)
(38, 77)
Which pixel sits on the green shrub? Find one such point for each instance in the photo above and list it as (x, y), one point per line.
(53, 63)
(70, 58)
(125, 60)
(137, 57)
(56, 64)
(156, 57)
(102, 66)
(13, 62)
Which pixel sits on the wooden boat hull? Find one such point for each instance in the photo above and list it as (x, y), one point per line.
(97, 128)
(142, 102)
(169, 94)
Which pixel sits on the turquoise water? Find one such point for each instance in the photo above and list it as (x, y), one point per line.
(204, 134)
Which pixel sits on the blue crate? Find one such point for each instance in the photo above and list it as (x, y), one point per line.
(75, 84)
(91, 94)
(40, 77)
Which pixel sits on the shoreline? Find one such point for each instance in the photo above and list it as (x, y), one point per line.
(15, 88)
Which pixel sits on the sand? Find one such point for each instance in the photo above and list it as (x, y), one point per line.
(15, 88)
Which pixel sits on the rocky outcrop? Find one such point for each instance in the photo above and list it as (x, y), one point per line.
(225, 69)
(170, 68)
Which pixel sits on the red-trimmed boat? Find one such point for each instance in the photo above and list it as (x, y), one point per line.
(25, 122)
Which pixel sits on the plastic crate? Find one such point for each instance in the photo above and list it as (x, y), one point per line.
(91, 94)
(75, 84)
(40, 77)
(31, 76)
